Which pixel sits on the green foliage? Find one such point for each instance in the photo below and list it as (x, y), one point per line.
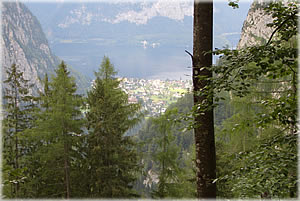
(239, 131)
(166, 156)
(46, 154)
(19, 106)
(268, 170)
(111, 161)
(54, 137)
(258, 146)
(233, 3)
(167, 150)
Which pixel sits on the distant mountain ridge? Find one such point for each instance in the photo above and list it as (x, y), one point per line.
(144, 39)
(138, 14)
(24, 43)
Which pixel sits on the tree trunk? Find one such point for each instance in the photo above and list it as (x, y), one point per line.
(67, 172)
(204, 132)
(16, 136)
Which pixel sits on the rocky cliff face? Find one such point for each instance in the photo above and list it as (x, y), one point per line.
(24, 43)
(255, 30)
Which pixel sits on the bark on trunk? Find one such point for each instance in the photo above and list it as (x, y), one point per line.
(204, 132)
(17, 186)
(67, 172)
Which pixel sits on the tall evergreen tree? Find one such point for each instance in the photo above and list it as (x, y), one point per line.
(65, 115)
(36, 140)
(59, 123)
(112, 158)
(18, 107)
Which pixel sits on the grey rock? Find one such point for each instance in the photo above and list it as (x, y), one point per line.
(255, 30)
(25, 44)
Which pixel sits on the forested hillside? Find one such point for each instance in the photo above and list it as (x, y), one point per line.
(59, 144)
(257, 145)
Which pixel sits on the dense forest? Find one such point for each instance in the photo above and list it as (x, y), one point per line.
(60, 144)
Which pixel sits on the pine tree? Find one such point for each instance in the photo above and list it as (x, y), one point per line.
(65, 117)
(112, 158)
(166, 156)
(18, 108)
(56, 131)
(38, 139)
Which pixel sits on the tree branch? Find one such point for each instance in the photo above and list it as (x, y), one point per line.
(279, 27)
(191, 56)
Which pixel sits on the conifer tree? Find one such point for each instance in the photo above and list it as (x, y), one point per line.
(112, 158)
(18, 107)
(35, 142)
(65, 117)
(57, 128)
(166, 156)
(38, 141)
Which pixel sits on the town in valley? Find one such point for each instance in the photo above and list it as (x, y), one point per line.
(154, 95)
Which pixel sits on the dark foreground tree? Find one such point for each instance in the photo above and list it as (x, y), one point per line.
(204, 121)
(111, 160)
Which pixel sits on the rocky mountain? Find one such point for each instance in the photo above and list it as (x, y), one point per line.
(24, 43)
(134, 13)
(255, 30)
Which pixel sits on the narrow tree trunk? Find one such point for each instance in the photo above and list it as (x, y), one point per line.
(204, 132)
(16, 138)
(162, 194)
(67, 171)
(17, 164)
(66, 150)
(294, 89)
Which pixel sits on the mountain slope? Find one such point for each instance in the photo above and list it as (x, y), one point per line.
(24, 43)
(255, 30)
